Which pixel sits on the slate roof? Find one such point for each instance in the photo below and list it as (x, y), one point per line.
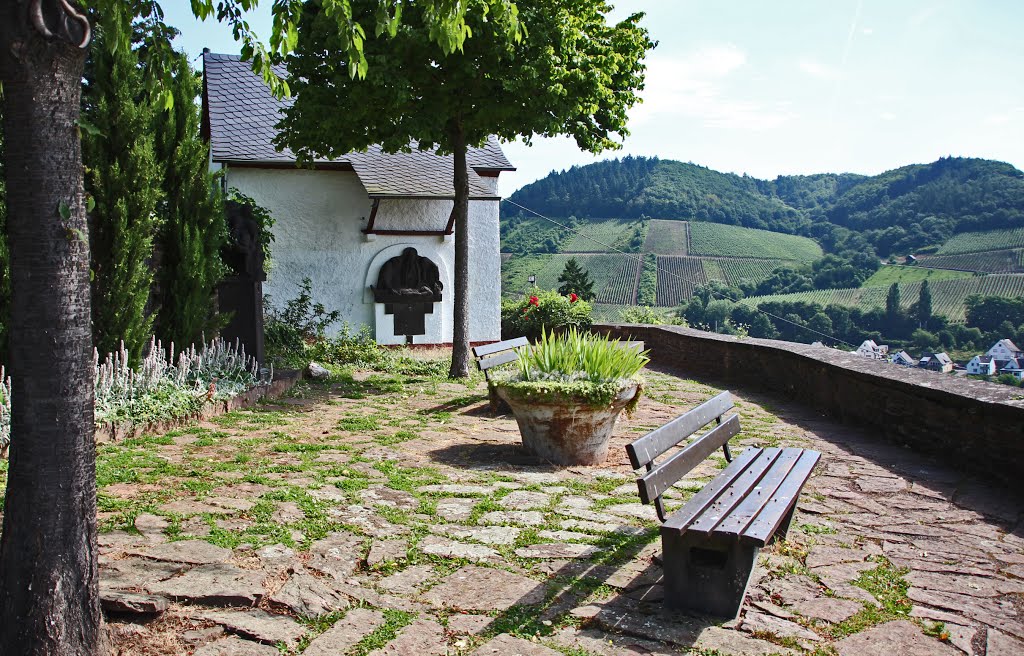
(240, 114)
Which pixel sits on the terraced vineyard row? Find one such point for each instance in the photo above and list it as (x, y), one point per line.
(716, 239)
(948, 296)
(1005, 261)
(667, 237)
(618, 288)
(592, 235)
(677, 279)
(973, 242)
(737, 271)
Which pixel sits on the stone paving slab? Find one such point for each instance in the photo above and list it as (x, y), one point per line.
(256, 625)
(507, 645)
(233, 646)
(420, 638)
(218, 584)
(894, 638)
(345, 633)
(484, 588)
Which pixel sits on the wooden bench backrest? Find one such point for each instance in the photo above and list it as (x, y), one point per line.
(491, 355)
(662, 476)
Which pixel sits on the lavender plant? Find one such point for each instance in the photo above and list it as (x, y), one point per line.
(165, 386)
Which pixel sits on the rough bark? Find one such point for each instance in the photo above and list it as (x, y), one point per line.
(460, 311)
(49, 598)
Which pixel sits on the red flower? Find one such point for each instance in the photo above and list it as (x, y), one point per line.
(534, 301)
(573, 297)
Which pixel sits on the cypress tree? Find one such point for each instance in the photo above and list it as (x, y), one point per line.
(892, 308)
(575, 280)
(194, 228)
(123, 179)
(924, 305)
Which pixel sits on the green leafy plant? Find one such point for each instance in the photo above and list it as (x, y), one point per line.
(301, 321)
(548, 311)
(580, 356)
(590, 367)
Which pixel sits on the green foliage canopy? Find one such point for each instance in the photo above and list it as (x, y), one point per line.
(576, 280)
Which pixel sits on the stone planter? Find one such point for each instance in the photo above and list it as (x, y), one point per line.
(563, 429)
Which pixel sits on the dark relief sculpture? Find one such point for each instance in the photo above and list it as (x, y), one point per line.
(408, 278)
(408, 285)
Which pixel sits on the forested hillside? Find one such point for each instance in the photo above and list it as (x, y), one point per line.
(900, 211)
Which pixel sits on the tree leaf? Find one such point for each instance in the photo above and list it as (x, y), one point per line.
(64, 210)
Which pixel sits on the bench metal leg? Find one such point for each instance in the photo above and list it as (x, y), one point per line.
(780, 533)
(706, 575)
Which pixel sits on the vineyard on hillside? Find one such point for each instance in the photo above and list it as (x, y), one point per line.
(1005, 261)
(614, 275)
(888, 274)
(736, 271)
(677, 279)
(667, 237)
(599, 236)
(973, 242)
(720, 240)
(948, 296)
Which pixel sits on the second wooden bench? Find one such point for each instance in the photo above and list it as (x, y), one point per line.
(710, 545)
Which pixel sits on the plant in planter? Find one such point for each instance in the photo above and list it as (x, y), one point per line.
(568, 390)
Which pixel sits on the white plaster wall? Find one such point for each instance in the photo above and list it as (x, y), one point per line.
(319, 216)
(410, 214)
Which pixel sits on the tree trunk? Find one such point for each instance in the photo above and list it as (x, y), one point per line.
(49, 597)
(460, 313)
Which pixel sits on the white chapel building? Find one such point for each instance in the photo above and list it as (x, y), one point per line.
(341, 221)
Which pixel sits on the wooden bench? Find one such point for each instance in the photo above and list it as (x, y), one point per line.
(489, 356)
(710, 545)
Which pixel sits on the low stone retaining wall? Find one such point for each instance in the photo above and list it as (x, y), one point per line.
(970, 423)
(117, 432)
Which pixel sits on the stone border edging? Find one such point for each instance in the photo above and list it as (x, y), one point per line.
(120, 431)
(971, 424)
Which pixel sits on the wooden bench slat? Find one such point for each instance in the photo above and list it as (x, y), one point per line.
(495, 360)
(682, 518)
(659, 440)
(487, 349)
(768, 521)
(675, 467)
(759, 497)
(735, 493)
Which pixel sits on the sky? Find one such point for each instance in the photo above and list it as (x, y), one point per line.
(794, 86)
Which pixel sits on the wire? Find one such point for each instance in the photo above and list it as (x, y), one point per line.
(639, 258)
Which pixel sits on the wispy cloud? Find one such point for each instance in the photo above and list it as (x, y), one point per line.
(697, 86)
(1012, 115)
(815, 68)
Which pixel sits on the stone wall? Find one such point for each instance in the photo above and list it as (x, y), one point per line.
(970, 423)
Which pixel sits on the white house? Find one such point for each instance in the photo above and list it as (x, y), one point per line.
(903, 359)
(1014, 367)
(1004, 349)
(982, 365)
(871, 350)
(340, 221)
(936, 362)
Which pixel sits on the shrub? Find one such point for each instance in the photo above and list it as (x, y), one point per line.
(548, 311)
(287, 330)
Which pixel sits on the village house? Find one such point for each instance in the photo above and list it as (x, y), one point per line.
(936, 362)
(1005, 349)
(982, 365)
(373, 231)
(869, 349)
(903, 359)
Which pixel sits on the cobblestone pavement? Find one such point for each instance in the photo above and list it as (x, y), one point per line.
(385, 514)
